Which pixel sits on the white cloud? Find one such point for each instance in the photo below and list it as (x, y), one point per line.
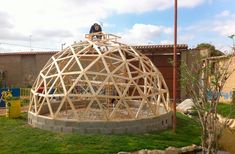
(131, 6)
(144, 33)
(215, 31)
(166, 42)
(8, 34)
(225, 26)
(190, 3)
(108, 25)
(4, 21)
(53, 33)
(185, 38)
(63, 20)
(224, 13)
(29, 15)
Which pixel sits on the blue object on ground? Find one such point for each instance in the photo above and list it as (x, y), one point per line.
(2, 103)
(15, 93)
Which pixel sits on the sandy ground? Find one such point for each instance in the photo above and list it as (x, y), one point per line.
(3, 110)
(227, 140)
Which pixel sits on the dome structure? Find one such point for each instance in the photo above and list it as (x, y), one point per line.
(99, 80)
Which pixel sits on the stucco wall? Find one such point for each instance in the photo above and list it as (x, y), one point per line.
(28, 69)
(12, 65)
(22, 69)
(229, 87)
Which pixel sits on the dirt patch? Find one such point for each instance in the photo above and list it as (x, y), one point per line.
(3, 110)
(227, 140)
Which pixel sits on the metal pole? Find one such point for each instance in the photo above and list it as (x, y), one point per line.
(62, 46)
(30, 42)
(175, 67)
(232, 36)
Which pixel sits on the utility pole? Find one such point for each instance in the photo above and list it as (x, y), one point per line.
(232, 37)
(175, 67)
(30, 42)
(62, 46)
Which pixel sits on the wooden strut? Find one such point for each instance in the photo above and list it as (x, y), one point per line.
(103, 76)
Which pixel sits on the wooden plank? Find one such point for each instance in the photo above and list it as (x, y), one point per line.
(60, 76)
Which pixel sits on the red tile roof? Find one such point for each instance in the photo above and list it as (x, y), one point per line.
(152, 46)
(28, 53)
(179, 46)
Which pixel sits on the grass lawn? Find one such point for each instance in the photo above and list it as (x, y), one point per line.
(226, 110)
(16, 136)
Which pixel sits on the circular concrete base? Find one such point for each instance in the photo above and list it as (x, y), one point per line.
(102, 127)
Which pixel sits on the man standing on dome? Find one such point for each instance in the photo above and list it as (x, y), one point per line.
(96, 28)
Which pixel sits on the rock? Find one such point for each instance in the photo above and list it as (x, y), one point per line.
(156, 152)
(172, 150)
(144, 151)
(225, 121)
(189, 149)
(123, 152)
(185, 106)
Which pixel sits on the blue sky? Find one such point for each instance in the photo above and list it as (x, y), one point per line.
(46, 24)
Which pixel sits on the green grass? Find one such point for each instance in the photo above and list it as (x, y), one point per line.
(16, 136)
(24, 102)
(226, 110)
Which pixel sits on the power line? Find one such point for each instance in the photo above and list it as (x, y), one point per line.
(13, 44)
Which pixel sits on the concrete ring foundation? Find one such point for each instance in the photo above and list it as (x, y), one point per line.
(102, 127)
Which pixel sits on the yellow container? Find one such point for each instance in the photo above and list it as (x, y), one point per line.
(13, 109)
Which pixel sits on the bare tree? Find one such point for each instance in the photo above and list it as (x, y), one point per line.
(203, 82)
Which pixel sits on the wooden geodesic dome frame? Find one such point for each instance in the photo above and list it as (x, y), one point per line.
(99, 80)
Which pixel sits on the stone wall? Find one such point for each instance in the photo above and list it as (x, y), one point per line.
(102, 127)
